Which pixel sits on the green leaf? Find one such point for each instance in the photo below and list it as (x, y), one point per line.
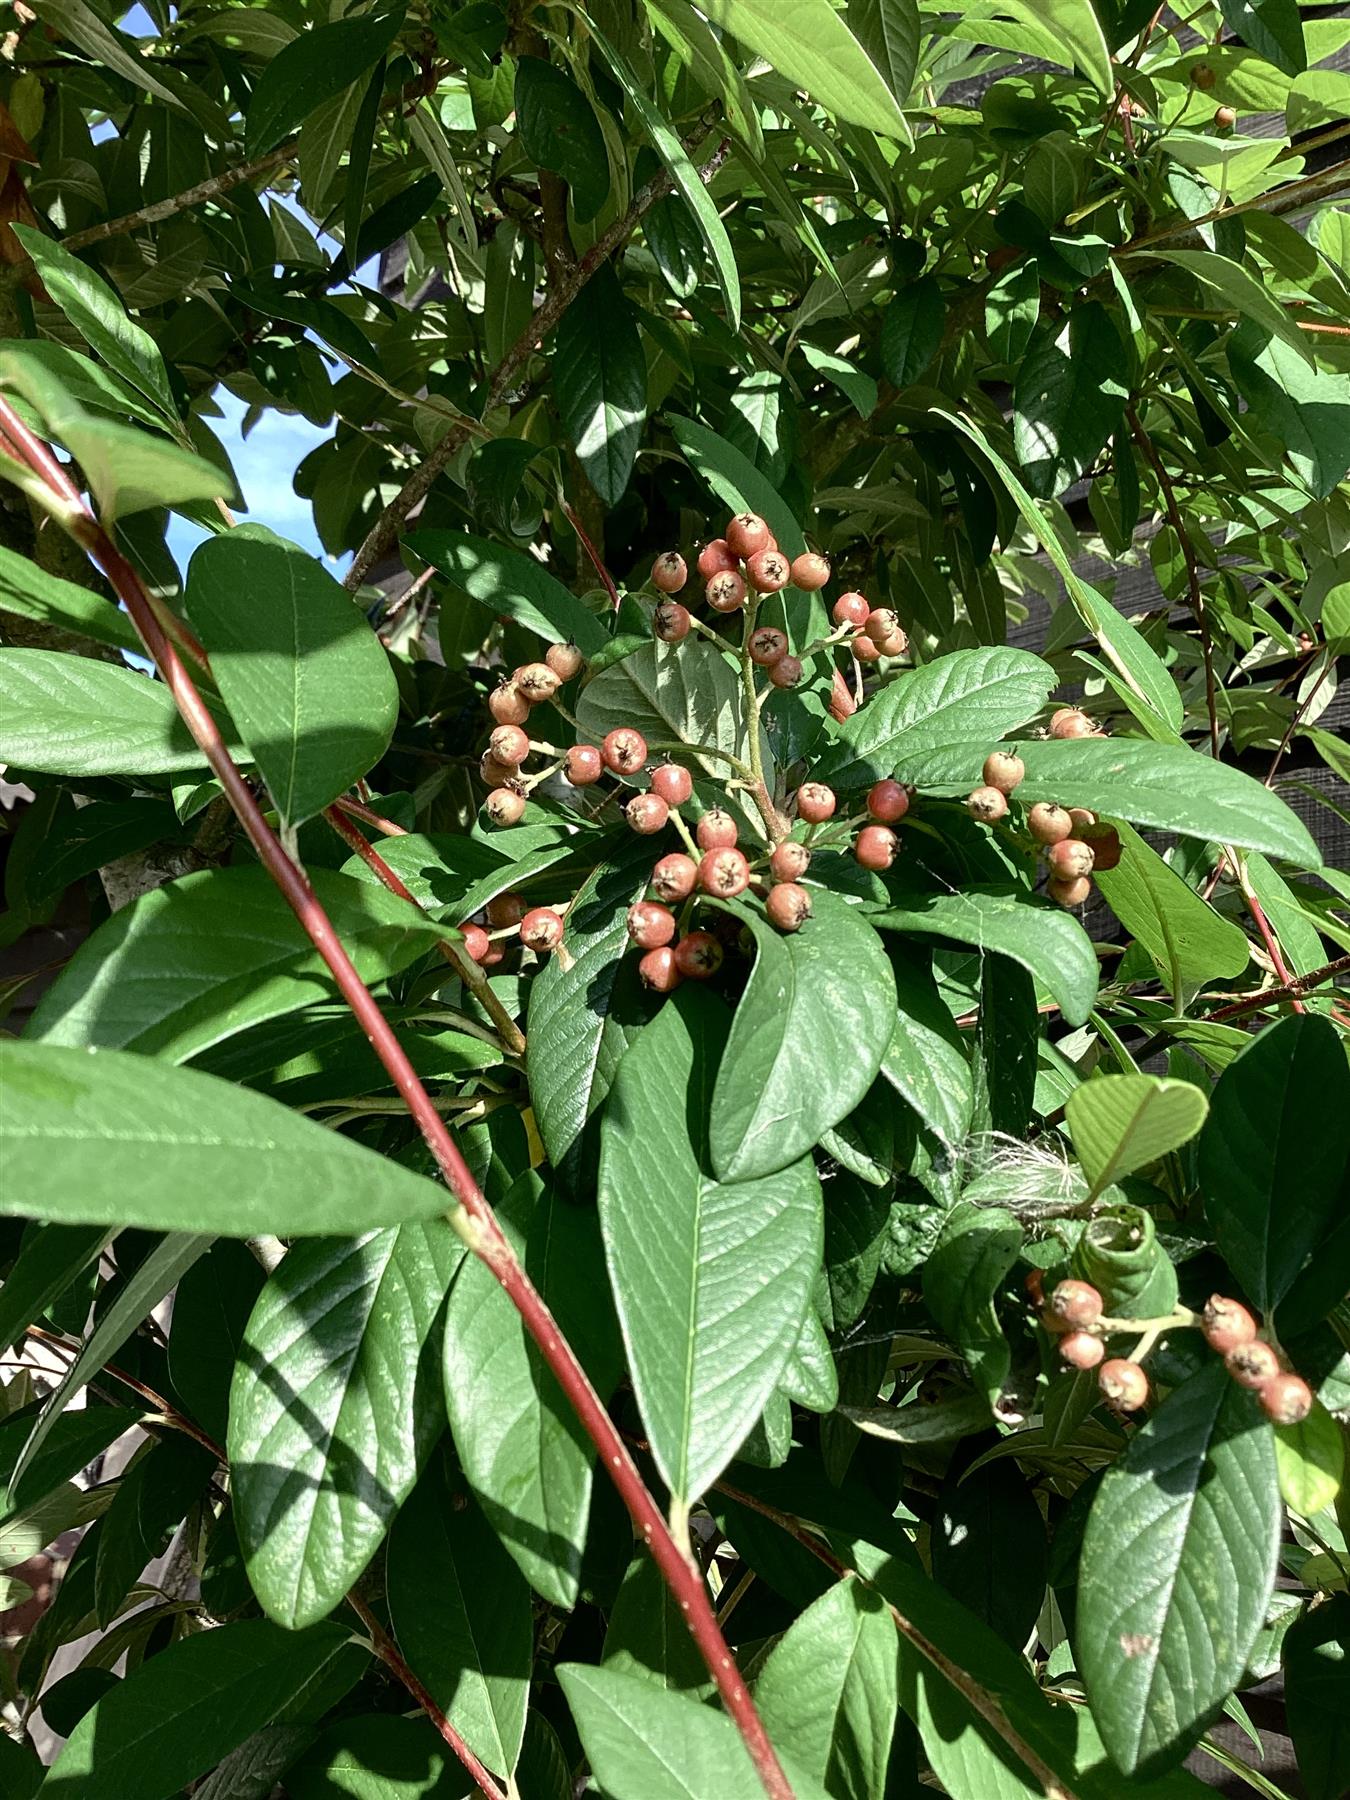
(860, 388)
(1239, 289)
(1271, 28)
(1013, 923)
(376, 1756)
(889, 32)
(519, 1442)
(1316, 1666)
(179, 1713)
(911, 330)
(1272, 1173)
(989, 1548)
(1067, 397)
(462, 1614)
(313, 68)
(924, 1061)
(100, 318)
(711, 1278)
(648, 1635)
(50, 1259)
(201, 958)
(510, 584)
(1119, 1254)
(810, 1030)
(1304, 411)
(1310, 1460)
(70, 715)
(305, 677)
(809, 43)
(600, 378)
(640, 1739)
(1121, 1123)
(1074, 25)
(1177, 1568)
(334, 1408)
(1188, 941)
(73, 1442)
(937, 725)
(672, 693)
(116, 1139)
(975, 1250)
(688, 181)
(212, 1307)
(32, 593)
(152, 1497)
(1169, 787)
(1011, 309)
(558, 130)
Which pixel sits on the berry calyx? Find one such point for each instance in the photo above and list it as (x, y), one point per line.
(769, 571)
(747, 535)
(724, 873)
(650, 925)
(1123, 1384)
(881, 625)
(1104, 842)
(767, 646)
(477, 943)
(672, 783)
(1003, 770)
(1049, 823)
(669, 573)
(850, 609)
(1070, 892)
(790, 861)
(1069, 858)
(1227, 1324)
(658, 970)
(716, 830)
(674, 877)
(537, 682)
(810, 572)
(1286, 1400)
(583, 765)
(1071, 722)
(646, 814)
(504, 806)
(506, 909)
(698, 955)
(510, 745)
(876, 847)
(987, 804)
(1081, 1350)
(725, 593)
(1076, 1303)
(786, 672)
(541, 929)
(671, 622)
(1252, 1365)
(565, 660)
(716, 556)
(888, 801)
(815, 802)
(788, 906)
(508, 705)
(624, 750)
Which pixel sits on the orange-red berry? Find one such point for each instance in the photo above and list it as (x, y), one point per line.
(987, 804)
(725, 593)
(1104, 842)
(1071, 722)
(673, 783)
(658, 970)
(864, 649)
(788, 905)
(724, 873)
(1123, 1383)
(769, 571)
(650, 925)
(504, 806)
(767, 646)
(537, 681)
(1049, 823)
(1069, 858)
(508, 705)
(583, 765)
(669, 573)
(506, 909)
(1286, 1399)
(1253, 1364)
(790, 861)
(1070, 892)
(876, 847)
(850, 609)
(671, 622)
(1227, 1324)
(747, 535)
(717, 830)
(541, 929)
(888, 801)
(698, 955)
(1003, 770)
(1081, 1350)
(510, 745)
(1076, 1303)
(647, 814)
(565, 660)
(810, 572)
(624, 750)
(477, 943)
(786, 672)
(715, 556)
(882, 624)
(674, 877)
(815, 802)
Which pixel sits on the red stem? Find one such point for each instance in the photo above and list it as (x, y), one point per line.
(355, 810)
(478, 1227)
(594, 554)
(1272, 943)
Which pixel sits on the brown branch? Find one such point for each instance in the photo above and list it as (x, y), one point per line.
(383, 534)
(1306, 191)
(1299, 984)
(472, 1218)
(179, 1420)
(1272, 943)
(355, 809)
(176, 203)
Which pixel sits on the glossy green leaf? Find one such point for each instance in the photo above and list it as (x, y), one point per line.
(1310, 1460)
(600, 378)
(69, 715)
(711, 1278)
(1011, 309)
(648, 1635)
(1074, 25)
(673, 694)
(462, 1614)
(809, 43)
(117, 1139)
(989, 1547)
(1272, 1175)
(1188, 941)
(1009, 922)
(808, 1037)
(1121, 1123)
(1242, 290)
(74, 1440)
(33, 593)
(911, 331)
(1177, 1567)
(378, 1756)
(212, 1307)
(974, 1252)
(151, 1499)
(924, 1061)
(49, 1260)
(175, 1716)
(1119, 1253)
(889, 32)
(509, 584)
(855, 1229)
(1304, 410)
(860, 388)
(305, 677)
(315, 67)
(1168, 787)
(735, 480)
(1067, 397)
(936, 726)
(558, 130)
(1316, 1667)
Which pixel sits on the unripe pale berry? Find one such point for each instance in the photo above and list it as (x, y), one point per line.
(541, 929)
(1081, 1350)
(790, 861)
(650, 925)
(508, 705)
(881, 623)
(674, 877)
(698, 955)
(850, 609)
(504, 806)
(510, 745)
(1049, 823)
(1123, 1383)
(1076, 1303)
(1252, 1365)
(672, 783)
(987, 804)
(658, 971)
(506, 909)
(767, 646)
(537, 681)
(788, 906)
(1227, 1324)
(715, 556)
(624, 750)
(583, 765)
(888, 801)
(477, 943)
(646, 814)
(1070, 858)
(769, 571)
(725, 873)
(1081, 817)
(815, 802)
(786, 672)
(717, 830)
(725, 593)
(1071, 892)
(1204, 77)
(810, 572)
(747, 535)
(1070, 722)
(876, 847)
(1286, 1400)
(1225, 118)
(1003, 770)
(1104, 841)
(864, 649)
(671, 622)
(669, 573)
(565, 660)
(495, 774)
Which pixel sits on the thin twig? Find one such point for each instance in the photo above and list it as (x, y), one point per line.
(176, 203)
(356, 809)
(597, 561)
(1272, 943)
(1299, 984)
(179, 1420)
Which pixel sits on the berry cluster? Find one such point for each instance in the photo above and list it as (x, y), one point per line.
(539, 928)
(1073, 840)
(510, 745)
